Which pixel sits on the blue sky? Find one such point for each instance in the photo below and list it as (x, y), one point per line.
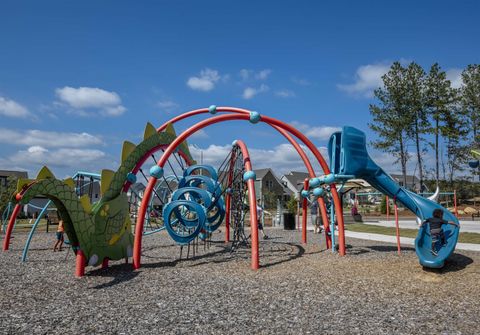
(78, 78)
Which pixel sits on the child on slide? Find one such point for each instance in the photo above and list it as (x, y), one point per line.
(436, 231)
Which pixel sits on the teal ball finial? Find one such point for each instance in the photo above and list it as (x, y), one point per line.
(329, 178)
(212, 109)
(318, 191)
(254, 117)
(234, 143)
(249, 175)
(131, 177)
(314, 182)
(304, 193)
(156, 172)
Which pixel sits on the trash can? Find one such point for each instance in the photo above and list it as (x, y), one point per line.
(288, 221)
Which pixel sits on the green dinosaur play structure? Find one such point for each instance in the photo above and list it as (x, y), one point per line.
(103, 230)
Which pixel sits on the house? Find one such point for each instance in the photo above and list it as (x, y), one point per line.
(5, 174)
(35, 205)
(294, 182)
(267, 184)
(413, 183)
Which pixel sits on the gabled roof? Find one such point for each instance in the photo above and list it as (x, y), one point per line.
(296, 178)
(260, 173)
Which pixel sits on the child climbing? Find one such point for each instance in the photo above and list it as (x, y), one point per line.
(259, 219)
(436, 231)
(60, 231)
(316, 219)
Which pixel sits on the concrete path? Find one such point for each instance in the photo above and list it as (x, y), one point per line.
(465, 225)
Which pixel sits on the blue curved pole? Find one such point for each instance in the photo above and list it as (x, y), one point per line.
(6, 215)
(32, 231)
(332, 225)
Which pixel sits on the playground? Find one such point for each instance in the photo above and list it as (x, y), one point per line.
(186, 251)
(299, 289)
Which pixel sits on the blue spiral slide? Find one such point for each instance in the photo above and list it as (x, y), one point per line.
(350, 158)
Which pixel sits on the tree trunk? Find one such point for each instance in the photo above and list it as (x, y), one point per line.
(419, 155)
(443, 166)
(403, 161)
(437, 171)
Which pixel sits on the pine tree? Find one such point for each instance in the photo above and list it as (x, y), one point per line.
(391, 117)
(415, 102)
(470, 98)
(440, 99)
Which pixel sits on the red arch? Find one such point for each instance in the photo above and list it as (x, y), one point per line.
(303, 156)
(243, 115)
(252, 200)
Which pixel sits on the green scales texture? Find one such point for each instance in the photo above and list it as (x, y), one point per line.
(106, 231)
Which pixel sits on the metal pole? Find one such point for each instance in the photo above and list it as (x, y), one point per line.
(397, 228)
(304, 213)
(32, 231)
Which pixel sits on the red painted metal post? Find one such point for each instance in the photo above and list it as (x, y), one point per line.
(304, 213)
(105, 263)
(455, 203)
(11, 223)
(387, 201)
(253, 223)
(80, 264)
(397, 227)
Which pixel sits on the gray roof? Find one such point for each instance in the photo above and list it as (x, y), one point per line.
(11, 173)
(296, 178)
(411, 179)
(260, 173)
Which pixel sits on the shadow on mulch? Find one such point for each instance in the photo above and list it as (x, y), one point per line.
(388, 248)
(454, 263)
(172, 263)
(119, 272)
(298, 253)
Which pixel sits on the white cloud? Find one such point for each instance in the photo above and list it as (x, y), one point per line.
(200, 134)
(63, 157)
(301, 81)
(12, 108)
(367, 78)
(48, 139)
(109, 103)
(285, 93)
(205, 81)
(250, 92)
(319, 133)
(455, 77)
(263, 74)
(168, 106)
(281, 159)
(247, 74)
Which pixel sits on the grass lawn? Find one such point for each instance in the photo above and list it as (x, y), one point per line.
(366, 228)
(26, 225)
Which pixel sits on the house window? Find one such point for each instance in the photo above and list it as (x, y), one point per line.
(269, 184)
